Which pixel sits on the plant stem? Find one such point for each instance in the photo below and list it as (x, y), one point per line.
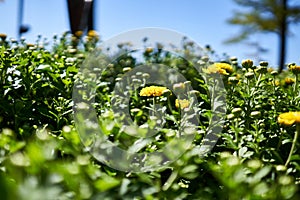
(280, 141)
(258, 80)
(295, 85)
(293, 144)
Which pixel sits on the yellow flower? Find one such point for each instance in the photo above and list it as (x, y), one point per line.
(154, 91)
(214, 69)
(149, 50)
(78, 33)
(221, 68)
(270, 69)
(294, 68)
(289, 81)
(289, 118)
(225, 66)
(182, 103)
(92, 33)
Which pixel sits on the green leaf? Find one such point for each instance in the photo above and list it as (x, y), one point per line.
(106, 183)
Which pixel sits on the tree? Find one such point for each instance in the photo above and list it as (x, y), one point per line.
(266, 16)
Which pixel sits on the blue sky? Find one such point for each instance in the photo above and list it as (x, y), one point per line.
(204, 21)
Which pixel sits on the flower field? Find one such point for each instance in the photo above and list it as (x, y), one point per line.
(256, 154)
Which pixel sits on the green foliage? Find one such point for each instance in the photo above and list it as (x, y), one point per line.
(42, 156)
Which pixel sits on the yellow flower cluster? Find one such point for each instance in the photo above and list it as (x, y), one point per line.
(289, 118)
(221, 68)
(92, 33)
(289, 81)
(182, 103)
(154, 91)
(294, 68)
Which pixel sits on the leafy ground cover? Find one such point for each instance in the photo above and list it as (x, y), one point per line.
(42, 156)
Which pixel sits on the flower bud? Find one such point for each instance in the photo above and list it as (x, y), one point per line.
(280, 168)
(232, 59)
(205, 58)
(126, 69)
(230, 116)
(235, 63)
(274, 73)
(262, 69)
(3, 36)
(178, 86)
(187, 83)
(249, 75)
(233, 79)
(255, 114)
(145, 75)
(236, 111)
(149, 50)
(135, 110)
(195, 92)
(264, 63)
(247, 63)
(254, 164)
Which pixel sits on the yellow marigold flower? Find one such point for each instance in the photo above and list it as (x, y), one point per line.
(182, 103)
(294, 68)
(92, 33)
(154, 91)
(225, 66)
(221, 68)
(78, 33)
(289, 81)
(289, 118)
(213, 69)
